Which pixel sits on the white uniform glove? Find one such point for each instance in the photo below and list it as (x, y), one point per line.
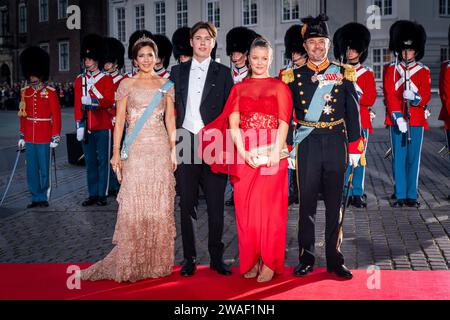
(353, 159)
(86, 100)
(21, 143)
(402, 125)
(372, 115)
(427, 113)
(409, 95)
(80, 134)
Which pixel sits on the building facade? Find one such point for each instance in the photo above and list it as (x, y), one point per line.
(44, 23)
(272, 18)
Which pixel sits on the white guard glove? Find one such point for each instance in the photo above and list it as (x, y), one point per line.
(53, 144)
(372, 115)
(353, 159)
(80, 134)
(409, 95)
(86, 100)
(21, 144)
(427, 113)
(402, 125)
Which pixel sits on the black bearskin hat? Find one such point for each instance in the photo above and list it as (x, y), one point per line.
(35, 61)
(353, 35)
(213, 51)
(115, 52)
(405, 34)
(135, 37)
(164, 48)
(239, 39)
(181, 43)
(93, 46)
(293, 41)
(315, 27)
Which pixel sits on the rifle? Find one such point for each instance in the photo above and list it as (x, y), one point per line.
(407, 102)
(85, 113)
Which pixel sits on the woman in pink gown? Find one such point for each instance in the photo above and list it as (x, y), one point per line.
(145, 230)
(256, 114)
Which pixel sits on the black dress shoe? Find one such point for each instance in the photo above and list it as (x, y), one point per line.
(221, 268)
(102, 201)
(399, 203)
(359, 202)
(341, 271)
(33, 204)
(113, 193)
(90, 201)
(188, 267)
(393, 196)
(302, 269)
(413, 203)
(44, 204)
(349, 201)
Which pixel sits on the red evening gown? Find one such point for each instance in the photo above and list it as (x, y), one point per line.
(261, 194)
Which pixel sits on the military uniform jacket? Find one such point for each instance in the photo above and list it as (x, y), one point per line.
(102, 91)
(367, 93)
(43, 119)
(394, 85)
(342, 101)
(444, 92)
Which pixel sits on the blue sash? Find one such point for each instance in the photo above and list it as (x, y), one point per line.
(143, 119)
(314, 110)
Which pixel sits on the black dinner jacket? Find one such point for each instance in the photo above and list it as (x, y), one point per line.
(217, 87)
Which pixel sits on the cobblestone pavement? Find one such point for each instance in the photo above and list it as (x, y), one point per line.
(417, 239)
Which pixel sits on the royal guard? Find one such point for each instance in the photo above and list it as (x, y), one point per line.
(164, 52)
(444, 92)
(351, 43)
(238, 42)
(114, 62)
(94, 99)
(296, 53)
(40, 123)
(327, 137)
(131, 40)
(406, 85)
(182, 49)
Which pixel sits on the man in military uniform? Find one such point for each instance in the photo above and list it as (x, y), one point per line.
(296, 53)
(182, 50)
(327, 135)
(350, 44)
(238, 42)
(407, 92)
(114, 62)
(40, 123)
(164, 52)
(444, 92)
(94, 97)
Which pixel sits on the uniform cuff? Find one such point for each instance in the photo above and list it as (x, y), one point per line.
(396, 115)
(356, 147)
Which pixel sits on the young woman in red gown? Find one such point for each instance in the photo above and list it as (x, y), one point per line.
(256, 114)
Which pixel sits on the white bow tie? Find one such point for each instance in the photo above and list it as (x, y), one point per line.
(196, 65)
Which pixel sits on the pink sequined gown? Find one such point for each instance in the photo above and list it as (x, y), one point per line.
(145, 230)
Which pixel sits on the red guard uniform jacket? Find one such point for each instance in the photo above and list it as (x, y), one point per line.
(43, 119)
(367, 92)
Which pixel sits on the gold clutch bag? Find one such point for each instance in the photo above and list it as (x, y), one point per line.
(263, 153)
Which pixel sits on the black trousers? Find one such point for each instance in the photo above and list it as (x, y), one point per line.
(190, 176)
(321, 164)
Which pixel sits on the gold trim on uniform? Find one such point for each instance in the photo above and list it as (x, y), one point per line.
(318, 68)
(287, 76)
(321, 124)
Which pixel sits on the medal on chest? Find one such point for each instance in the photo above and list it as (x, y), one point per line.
(328, 79)
(44, 93)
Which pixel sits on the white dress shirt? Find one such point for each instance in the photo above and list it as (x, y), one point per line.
(193, 119)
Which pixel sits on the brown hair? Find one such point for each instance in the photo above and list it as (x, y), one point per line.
(259, 42)
(212, 30)
(147, 43)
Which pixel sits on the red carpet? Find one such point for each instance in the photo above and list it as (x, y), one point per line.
(48, 281)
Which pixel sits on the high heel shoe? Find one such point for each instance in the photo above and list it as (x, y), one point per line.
(253, 272)
(266, 274)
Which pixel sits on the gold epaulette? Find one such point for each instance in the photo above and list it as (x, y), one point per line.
(350, 72)
(287, 76)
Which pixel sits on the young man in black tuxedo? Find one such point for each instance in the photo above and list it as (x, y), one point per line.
(201, 90)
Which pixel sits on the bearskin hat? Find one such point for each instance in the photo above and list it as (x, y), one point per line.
(164, 48)
(293, 41)
(239, 39)
(354, 36)
(35, 61)
(181, 43)
(93, 46)
(405, 34)
(315, 27)
(134, 37)
(115, 52)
